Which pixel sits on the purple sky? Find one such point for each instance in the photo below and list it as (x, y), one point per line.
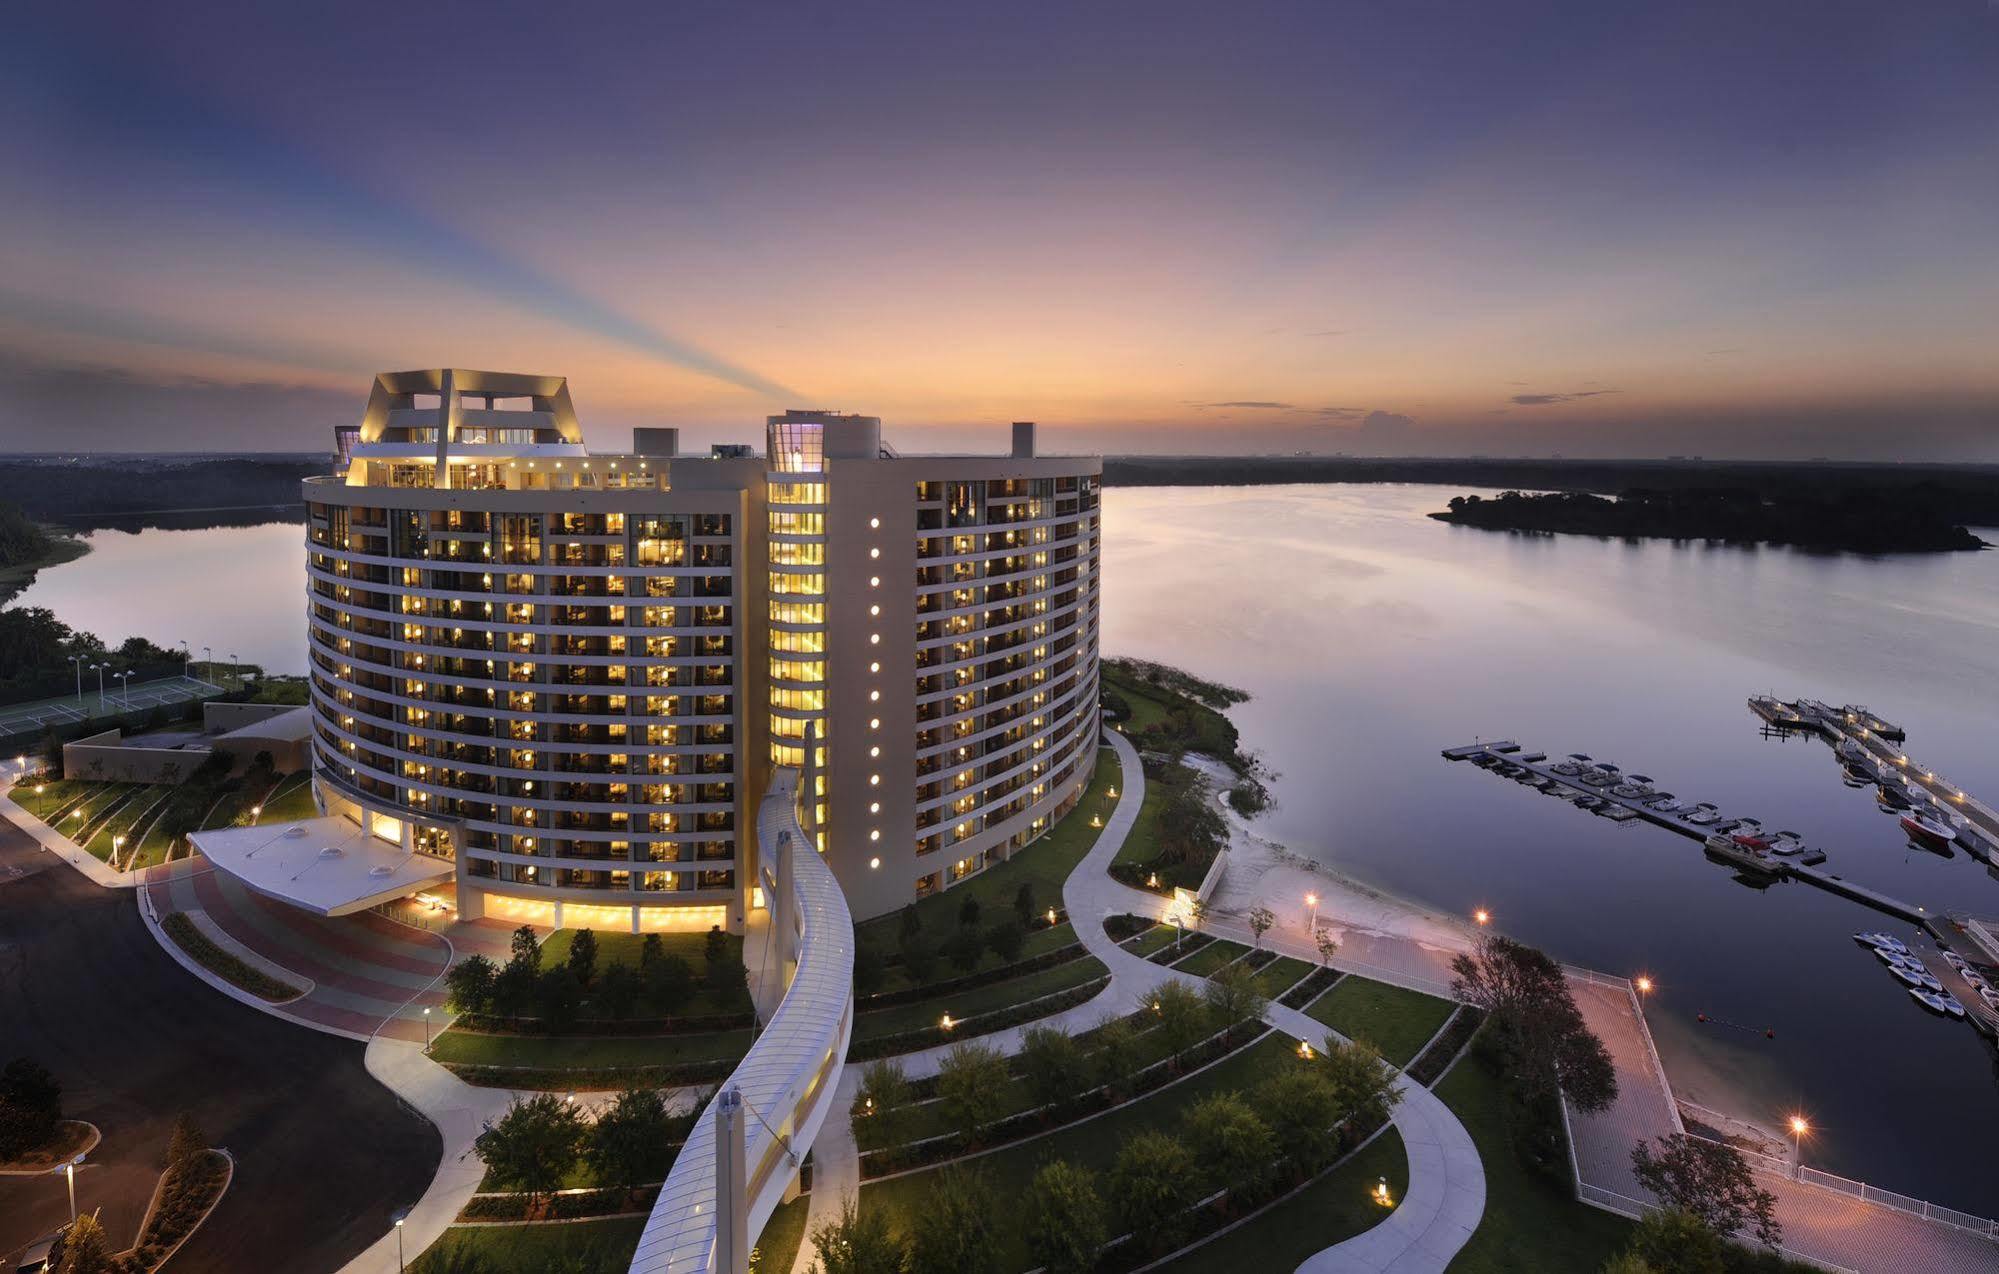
(1762, 228)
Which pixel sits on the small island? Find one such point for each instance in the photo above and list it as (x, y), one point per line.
(1853, 520)
(26, 546)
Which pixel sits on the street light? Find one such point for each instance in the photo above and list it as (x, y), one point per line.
(426, 1029)
(101, 705)
(69, 1170)
(79, 661)
(126, 678)
(1644, 984)
(400, 1218)
(1482, 916)
(1798, 1130)
(1312, 901)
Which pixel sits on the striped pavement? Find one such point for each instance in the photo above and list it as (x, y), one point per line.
(369, 974)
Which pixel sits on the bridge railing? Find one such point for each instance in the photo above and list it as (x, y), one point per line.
(786, 1081)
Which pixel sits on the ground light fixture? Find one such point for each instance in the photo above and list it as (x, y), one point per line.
(1381, 1195)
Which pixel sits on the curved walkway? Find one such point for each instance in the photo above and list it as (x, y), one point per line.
(1446, 1195)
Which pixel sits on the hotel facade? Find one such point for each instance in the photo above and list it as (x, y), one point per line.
(560, 681)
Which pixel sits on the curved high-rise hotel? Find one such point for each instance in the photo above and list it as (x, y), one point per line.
(564, 677)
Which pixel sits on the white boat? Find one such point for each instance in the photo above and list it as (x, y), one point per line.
(1990, 997)
(1617, 813)
(1702, 815)
(1884, 941)
(1915, 979)
(1934, 1001)
(1951, 1005)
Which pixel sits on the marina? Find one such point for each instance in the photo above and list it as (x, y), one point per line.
(1944, 983)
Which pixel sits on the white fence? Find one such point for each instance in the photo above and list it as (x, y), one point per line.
(1922, 1208)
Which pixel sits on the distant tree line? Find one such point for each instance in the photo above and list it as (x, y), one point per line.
(22, 539)
(35, 649)
(73, 491)
(1861, 520)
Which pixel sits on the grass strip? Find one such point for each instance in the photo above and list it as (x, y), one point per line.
(1395, 1020)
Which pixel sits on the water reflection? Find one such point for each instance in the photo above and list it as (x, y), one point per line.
(1371, 637)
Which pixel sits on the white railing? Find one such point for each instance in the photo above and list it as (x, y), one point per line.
(1920, 1208)
(787, 1081)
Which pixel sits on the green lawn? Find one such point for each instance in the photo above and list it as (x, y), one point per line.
(1211, 958)
(1280, 975)
(1157, 938)
(984, 999)
(1332, 1209)
(1044, 864)
(1094, 1143)
(1143, 842)
(1394, 1020)
(587, 1052)
(1040, 941)
(290, 801)
(588, 1247)
(776, 1248)
(1532, 1223)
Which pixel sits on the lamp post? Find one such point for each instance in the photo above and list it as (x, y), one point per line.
(79, 661)
(208, 660)
(101, 704)
(400, 1218)
(1482, 916)
(426, 1029)
(125, 680)
(1312, 901)
(1798, 1130)
(69, 1170)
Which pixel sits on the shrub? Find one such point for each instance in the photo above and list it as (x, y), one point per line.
(669, 981)
(1006, 938)
(583, 956)
(534, 1145)
(1233, 1145)
(715, 945)
(527, 947)
(1182, 1014)
(857, 1242)
(885, 1097)
(1233, 999)
(954, 1232)
(965, 948)
(1053, 1065)
(618, 990)
(1115, 1051)
(971, 1081)
(470, 984)
(1304, 1092)
(1363, 1084)
(632, 1142)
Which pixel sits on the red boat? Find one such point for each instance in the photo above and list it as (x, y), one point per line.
(1925, 830)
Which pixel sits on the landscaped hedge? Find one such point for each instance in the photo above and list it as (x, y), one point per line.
(186, 1194)
(694, 1024)
(566, 1206)
(1126, 926)
(1315, 984)
(915, 994)
(550, 1078)
(1430, 1063)
(982, 1024)
(192, 940)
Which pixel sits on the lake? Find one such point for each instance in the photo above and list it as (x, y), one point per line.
(1371, 637)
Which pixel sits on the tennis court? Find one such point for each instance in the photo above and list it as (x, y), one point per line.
(22, 718)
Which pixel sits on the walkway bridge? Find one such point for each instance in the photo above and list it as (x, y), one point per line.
(744, 1151)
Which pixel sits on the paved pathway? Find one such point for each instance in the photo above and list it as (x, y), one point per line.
(1819, 1222)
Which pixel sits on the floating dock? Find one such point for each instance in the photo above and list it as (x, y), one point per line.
(1608, 791)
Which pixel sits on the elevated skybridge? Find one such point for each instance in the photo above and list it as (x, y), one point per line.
(746, 1147)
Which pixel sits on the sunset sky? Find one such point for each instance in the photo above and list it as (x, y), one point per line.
(1743, 228)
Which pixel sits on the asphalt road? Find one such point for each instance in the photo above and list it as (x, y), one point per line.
(324, 1154)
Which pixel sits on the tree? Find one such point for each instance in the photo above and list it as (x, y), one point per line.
(527, 947)
(1363, 1084)
(651, 951)
(1053, 1065)
(1535, 1024)
(1065, 1218)
(1260, 920)
(583, 956)
(727, 981)
(885, 1098)
(1673, 1241)
(85, 1250)
(715, 945)
(954, 1232)
(968, 912)
(534, 1145)
(469, 985)
(1327, 944)
(1304, 1094)
(1232, 1144)
(1233, 998)
(30, 1107)
(1709, 1181)
(919, 958)
(971, 1084)
(965, 948)
(628, 1145)
(1153, 1184)
(1023, 903)
(1627, 1263)
(909, 923)
(669, 981)
(870, 970)
(857, 1242)
(558, 998)
(1197, 912)
(1114, 1049)
(618, 990)
(1006, 938)
(186, 1146)
(514, 988)
(1182, 1015)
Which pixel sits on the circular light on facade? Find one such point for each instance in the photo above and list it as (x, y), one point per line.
(874, 835)
(874, 723)
(874, 581)
(874, 523)
(874, 863)
(874, 780)
(874, 807)
(874, 552)
(874, 696)
(874, 667)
